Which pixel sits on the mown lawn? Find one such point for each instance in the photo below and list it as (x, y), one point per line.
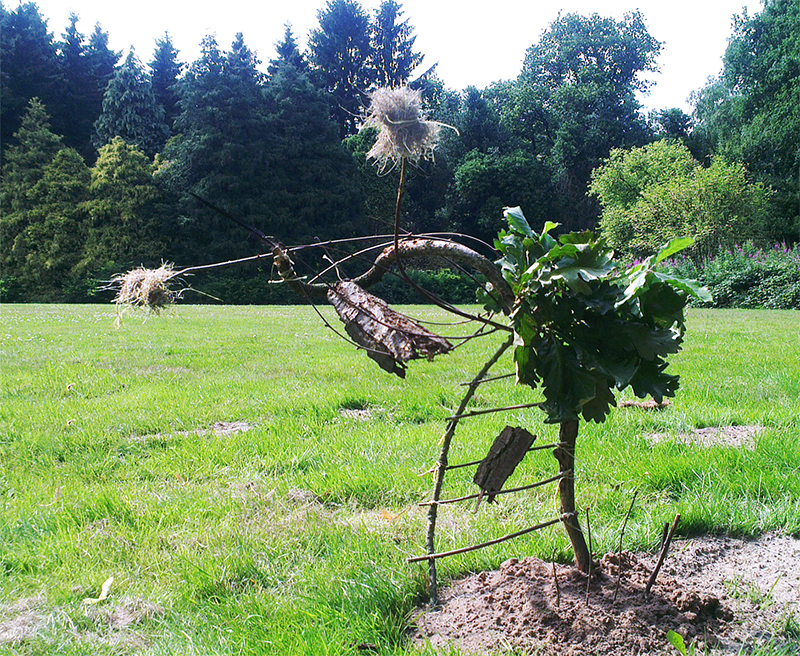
(290, 536)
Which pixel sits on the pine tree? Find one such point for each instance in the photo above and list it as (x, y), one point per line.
(35, 147)
(165, 71)
(30, 67)
(287, 53)
(393, 58)
(125, 209)
(130, 110)
(312, 188)
(42, 222)
(87, 69)
(339, 56)
(219, 150)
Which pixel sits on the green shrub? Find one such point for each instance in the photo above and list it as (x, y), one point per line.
(747, 276)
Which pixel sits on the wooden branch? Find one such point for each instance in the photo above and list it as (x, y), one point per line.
(565, 454)
(662, 555)
(425, 247)
(488, 543)
(508, 491)
(407, 249)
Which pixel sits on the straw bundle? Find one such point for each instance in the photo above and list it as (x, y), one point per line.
(404, 134)
(146, 288)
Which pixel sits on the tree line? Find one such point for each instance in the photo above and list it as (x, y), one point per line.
(107, 162)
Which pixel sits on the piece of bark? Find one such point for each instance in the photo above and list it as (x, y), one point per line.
(389, 337)
(506, 452)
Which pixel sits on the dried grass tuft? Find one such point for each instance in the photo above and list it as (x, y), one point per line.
(403, 132)
(146, 288)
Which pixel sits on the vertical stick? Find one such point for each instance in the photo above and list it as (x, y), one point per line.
(589, 536)
(662, 555)
(441, 466)
(565, 454)
(619, 549)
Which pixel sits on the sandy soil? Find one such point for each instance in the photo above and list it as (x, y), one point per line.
(721, 593)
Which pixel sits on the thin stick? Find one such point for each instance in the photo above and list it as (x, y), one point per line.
(588, 537)
(508, 491)
(662, 555)
(555, 578)
(216, 265)
(477, 413)
(488, 543)
(619, 549)
(492, 379)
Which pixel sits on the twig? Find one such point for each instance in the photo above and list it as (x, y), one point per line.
(477, 413)
(491, 379)
(555, 578)
(589, 537)
(662, 555)
(508, 491)
(488, 543)
(619, 549)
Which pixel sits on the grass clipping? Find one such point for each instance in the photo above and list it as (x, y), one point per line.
(146, 288)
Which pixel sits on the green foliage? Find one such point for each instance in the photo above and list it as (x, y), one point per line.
(482, 182)
(30, 67)
(46, 239)
(127, 226)
(130, 110)
(575, 100)
(751, 113)
(585, 327)
(64, 225)
(393, 58)
(652, 194)
(339, 54)
(87, 66)
(747, 276)
(165, 71)
(36, 145)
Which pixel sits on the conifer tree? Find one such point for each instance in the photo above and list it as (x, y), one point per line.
(130, 110)
(393, 58)
(165, 71)
(30, 67)
(340, 51)
(87, 69)
(287, 53)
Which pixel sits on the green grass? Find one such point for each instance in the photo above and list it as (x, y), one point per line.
(291, 537)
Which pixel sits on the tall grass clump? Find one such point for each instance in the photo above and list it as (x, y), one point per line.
(747, 276)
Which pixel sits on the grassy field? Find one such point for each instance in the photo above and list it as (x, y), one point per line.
(290, 536)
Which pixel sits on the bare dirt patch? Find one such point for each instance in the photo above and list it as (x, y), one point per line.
(731, 436)
(723, 593)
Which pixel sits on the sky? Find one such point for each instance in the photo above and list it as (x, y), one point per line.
(471, 46)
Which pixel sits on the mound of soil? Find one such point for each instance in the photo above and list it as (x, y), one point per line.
(536, 607)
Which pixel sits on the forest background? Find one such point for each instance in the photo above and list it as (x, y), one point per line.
(103, 158)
